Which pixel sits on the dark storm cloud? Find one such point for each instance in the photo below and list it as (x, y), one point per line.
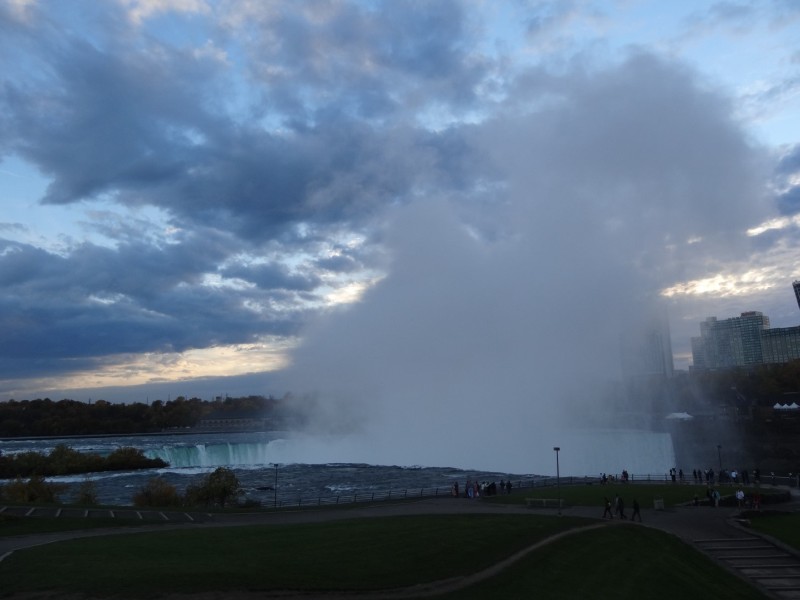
(324, 141)
(136, 298)
(373, 62)
(148, 127)
(340, 264)
(271, 276)
(256, 184)
(105, 122)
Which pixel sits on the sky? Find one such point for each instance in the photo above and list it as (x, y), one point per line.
(204, 198)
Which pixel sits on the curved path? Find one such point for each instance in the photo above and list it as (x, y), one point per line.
(713, 531)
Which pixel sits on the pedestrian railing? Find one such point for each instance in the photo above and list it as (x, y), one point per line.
(283, 501)
(286, 500)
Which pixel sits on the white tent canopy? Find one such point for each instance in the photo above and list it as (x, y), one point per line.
(679, 416)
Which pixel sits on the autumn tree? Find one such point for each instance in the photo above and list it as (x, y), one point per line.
(157, 492)
(218, 488)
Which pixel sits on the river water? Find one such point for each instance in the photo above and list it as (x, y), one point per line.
(271, 467)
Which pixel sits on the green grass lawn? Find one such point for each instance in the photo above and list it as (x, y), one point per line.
(782, 526)
(12, 525)
(621, 562)
(357, 554)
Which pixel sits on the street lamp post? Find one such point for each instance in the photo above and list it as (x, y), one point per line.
(275, 488)
(719, 456)
(558, 479)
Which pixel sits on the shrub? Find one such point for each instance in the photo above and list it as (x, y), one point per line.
(24, 464)
(250, 503)
(87, 493)
(157, 492)
(63, 460)
(35, 490)
(218, 487)
(131, 458)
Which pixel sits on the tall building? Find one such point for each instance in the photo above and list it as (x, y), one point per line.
(646, 347)
(729, 343)
(796, 286)
(780, 345)
(745, 341)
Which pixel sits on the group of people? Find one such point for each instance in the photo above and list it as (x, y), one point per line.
(473, 489)
(618, 508)
(699, 476)
(605, 477)
(752, 501)
(733, 477)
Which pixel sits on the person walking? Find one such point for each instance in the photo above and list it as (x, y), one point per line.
(636, 512)
(607, 510)
(620, 508)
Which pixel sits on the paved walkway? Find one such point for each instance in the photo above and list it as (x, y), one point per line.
(716, 532)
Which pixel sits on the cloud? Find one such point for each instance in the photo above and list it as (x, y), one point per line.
(293, 155)
(98, 301)
(789, 163)
(329, 58)
(638, 159)
(787, 181)
(140, 10)
(270, 276)
(147, 127)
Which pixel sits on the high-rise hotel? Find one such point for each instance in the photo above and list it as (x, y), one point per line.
(744, 341)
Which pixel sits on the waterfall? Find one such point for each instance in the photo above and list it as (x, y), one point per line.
(591, 452)
(217, 454)
(583, 452)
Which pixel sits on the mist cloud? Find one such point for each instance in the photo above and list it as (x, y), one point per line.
(499, 320)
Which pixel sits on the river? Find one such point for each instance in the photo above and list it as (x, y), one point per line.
(271, 467)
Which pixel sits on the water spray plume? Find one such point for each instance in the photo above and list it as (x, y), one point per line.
(495, 334)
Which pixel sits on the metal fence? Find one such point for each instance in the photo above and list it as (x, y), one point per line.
(283, 501)
(287, 501)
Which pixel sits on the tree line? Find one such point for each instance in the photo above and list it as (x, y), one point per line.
(758, 386)
(45, 417)
(762, 385)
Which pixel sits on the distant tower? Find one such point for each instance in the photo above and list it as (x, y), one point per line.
(796, 286)
(646, 346)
